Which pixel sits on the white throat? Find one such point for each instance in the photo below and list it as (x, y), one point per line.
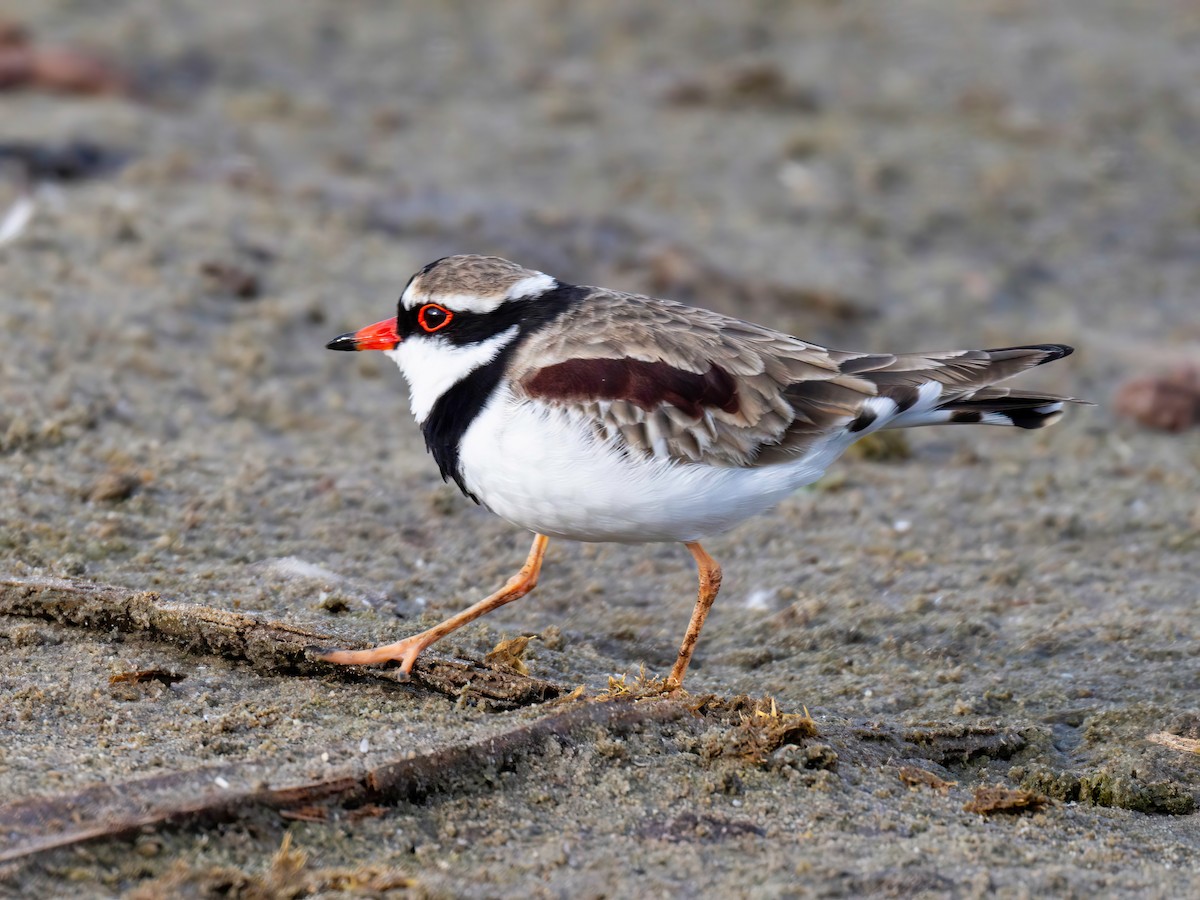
(433, 365)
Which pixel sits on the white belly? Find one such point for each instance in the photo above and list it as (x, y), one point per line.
(545, 471)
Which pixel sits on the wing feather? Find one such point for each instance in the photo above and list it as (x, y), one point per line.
(687, 384)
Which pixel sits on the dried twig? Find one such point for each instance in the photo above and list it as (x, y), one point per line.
(1175, 742)
(268, 646)
(222, 793)
(990, 800)
(914, 776)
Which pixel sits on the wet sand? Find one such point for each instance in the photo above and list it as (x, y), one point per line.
(993, 607)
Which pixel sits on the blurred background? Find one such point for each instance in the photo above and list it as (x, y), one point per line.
(210, 175)
(196, 195)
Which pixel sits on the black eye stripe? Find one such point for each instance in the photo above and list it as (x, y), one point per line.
(473, 327)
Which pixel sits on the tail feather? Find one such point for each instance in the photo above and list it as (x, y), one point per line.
(1051, 351)
(1031, 411)
(1037, 412)
(961, 387)
(954, 370)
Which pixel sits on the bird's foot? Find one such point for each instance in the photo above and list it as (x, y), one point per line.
(404, 652)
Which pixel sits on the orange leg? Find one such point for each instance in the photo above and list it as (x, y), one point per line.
(710, 583)
(407, 650)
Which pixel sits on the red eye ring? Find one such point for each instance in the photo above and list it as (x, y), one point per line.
(433, 317)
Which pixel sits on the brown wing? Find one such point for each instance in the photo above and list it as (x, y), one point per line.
(685, 383)
(682, 383)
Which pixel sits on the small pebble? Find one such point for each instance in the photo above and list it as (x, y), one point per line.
(114, 487)
(1167, 402)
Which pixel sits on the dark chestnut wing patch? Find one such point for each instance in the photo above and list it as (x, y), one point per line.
(647, 385)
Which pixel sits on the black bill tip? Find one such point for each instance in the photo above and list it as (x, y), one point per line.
(347, 341)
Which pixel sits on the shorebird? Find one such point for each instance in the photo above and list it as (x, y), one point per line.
(595, 415)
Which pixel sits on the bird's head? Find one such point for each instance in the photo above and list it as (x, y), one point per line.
(455, 316)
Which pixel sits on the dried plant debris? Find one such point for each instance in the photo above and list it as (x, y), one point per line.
(917, 777)
(960, 744)
(1175, 742)
(989, 801)
(162, 676)
(320, 813)
(1111, 787)
(306, 813)
(508, 656)
(762, 731)
(644, 687)
(1167, 402)
(288, 876)
(725, 709)
(1126, 791)
(144, 684)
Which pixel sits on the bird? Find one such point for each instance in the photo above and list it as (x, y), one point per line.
(589, 414)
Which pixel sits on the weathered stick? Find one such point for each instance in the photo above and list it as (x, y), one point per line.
(222, 793)
(268, 646)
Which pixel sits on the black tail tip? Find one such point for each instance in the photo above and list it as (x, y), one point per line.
(1054, 351)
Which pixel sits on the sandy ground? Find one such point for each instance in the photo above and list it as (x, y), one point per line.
(997, 608)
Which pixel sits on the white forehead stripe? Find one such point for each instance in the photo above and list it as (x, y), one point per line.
(531, 286)
(473, 303)
(406, 299)
(433, 365)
